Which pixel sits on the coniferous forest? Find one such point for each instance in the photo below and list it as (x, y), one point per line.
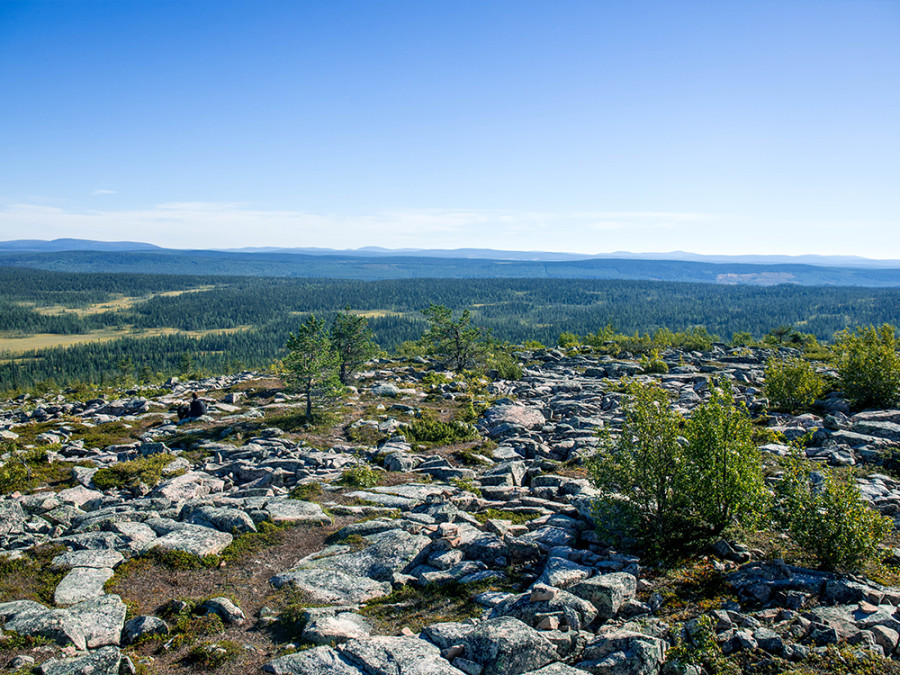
(150, 322)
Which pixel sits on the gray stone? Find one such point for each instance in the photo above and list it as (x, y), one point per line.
(12, 518)
(563, 573)
(104, 661)
(295, 511)
(324, 626)
(607, 592)
(222, 519)
(194, 539)
(79, 496)
(225, 608)
(331, 587)
(191, 485)
(383, 655)
(516, 415)
(30, 619)
(81, 583)
(101, 619)
(506, 646)
(388, 552)
(143, 625)
(557, 669)
(385, 389)
(316, 661)
(97, 559)
(623, 652)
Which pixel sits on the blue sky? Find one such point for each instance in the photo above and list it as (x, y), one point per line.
(769, 126)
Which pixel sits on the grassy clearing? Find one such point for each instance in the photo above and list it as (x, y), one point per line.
(14, 344)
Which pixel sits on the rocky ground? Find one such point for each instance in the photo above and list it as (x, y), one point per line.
(244, 540)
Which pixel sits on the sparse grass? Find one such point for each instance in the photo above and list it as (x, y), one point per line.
(511, 516)
(416, 608)
(110, 433)
(143, 471)
(364, 435)
(211, 655)
(691, 589)
(306, 492)
(267, 534)
(31, 577)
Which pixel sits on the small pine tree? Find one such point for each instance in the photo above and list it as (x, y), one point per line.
(352, 341)
(312, 364)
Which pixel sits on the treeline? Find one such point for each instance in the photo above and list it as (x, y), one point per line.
(260, 312)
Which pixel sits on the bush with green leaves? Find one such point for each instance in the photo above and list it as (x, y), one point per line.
(826, 515)
(669, 485)
(144, 470)
(360, 476)
(792, 384)
(428, 429)
(869, 366)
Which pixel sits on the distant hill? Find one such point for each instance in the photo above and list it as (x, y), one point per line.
(58, 245)
(373, 267)
(75, 245)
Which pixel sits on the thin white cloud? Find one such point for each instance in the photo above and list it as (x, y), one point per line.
(235, 225)
(101, 191)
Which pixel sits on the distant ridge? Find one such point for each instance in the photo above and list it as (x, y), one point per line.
(37, 245)
(58, 245)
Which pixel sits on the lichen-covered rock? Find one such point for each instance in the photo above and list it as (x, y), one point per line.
(325, 626)
(140, 626)
(316, 661)
(506, 646)
(331, 587)
(104, 661)
(226, 609)
(399, 655)
(101, 620)
(607, 592)
(623, 652)
(81, 583)
(295, 511)
(32, 619)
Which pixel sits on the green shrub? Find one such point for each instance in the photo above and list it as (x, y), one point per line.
(23, 470)
(360, 476)
(670, 486)
(568, 340)
(830, 521)
(466, 485)
(145, 470)
(306, 491)
(792, 384)
(869, 366)
(652, 363)
(427, 429)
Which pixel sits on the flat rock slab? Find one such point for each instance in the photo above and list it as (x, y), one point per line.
(194, 539)
(101, 620)
(401, 655)
(387, 552)
(330, 587)
(104, 661)
(191, 485)
(558, 669)
(96, 559)
(32, 619)
(519, 415)
(316, 661)
(81, 583)
(296, 511)
(78, 495)
(327, 627)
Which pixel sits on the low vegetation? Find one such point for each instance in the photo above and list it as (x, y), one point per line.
(792, 384)
(147, 471)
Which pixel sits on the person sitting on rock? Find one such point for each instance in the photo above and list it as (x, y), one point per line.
(197, 407)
